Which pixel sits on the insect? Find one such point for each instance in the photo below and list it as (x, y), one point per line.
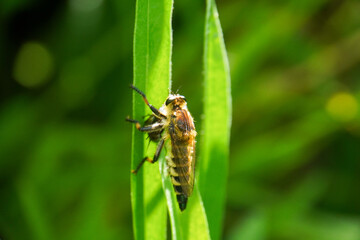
(173, 126)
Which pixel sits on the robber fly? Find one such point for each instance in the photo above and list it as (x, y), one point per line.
(172, 126)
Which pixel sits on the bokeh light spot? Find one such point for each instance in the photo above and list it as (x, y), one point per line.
(342, 106)
(33, 65)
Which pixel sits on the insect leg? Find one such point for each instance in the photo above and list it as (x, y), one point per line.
(158, 150)
(156, 156)
(149, 128)
(153, 109)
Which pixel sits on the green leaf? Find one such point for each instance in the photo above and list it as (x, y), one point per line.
(216, 124)
(192, 222)
(152, 62)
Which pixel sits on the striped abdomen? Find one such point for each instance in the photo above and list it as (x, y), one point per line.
(182, 160)
(181, 169)
(182, 179)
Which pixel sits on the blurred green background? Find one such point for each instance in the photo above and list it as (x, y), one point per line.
(65, 67)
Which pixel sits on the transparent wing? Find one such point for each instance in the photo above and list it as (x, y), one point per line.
(182, 135)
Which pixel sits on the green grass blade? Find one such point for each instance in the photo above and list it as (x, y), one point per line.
(216, 124)
(152, 62)
(152, 57)
(192, 222)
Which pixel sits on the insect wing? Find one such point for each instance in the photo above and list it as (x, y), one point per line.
(182, 135)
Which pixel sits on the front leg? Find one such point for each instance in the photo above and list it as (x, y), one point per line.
(153, 109)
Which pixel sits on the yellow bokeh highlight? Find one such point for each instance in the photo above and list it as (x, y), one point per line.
(33, 65)
(342, 106)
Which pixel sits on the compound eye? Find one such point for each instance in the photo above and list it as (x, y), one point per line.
(168, 101)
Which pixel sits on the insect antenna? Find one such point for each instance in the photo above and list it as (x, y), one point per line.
(177, 91)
